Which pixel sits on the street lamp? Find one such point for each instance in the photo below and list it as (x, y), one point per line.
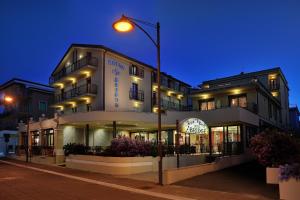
(127, 24)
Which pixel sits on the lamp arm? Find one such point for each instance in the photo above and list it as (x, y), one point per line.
(141, 21)
(148, 35)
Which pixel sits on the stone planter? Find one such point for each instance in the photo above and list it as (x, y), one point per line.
(289, 190)
(272, 175)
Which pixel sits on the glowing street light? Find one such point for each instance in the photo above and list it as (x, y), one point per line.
(123, 25)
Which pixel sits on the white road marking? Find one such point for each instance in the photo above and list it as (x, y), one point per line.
(111, 185)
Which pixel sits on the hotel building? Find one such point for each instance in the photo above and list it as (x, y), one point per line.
(101, 94)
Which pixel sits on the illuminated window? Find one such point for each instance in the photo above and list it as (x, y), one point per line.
(238, 101)
(207, 104)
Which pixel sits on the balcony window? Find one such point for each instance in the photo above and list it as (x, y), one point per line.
(136, 71)
(273, 84)
(207, 104)
(238, 101)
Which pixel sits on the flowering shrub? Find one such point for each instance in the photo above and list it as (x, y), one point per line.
(124, 146)
(73, 148)
(273, 148)
(289, 171)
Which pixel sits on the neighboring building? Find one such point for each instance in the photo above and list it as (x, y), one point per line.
(8, 142)
(101, 94)
(294, 120)
(28, 97)
(262, 96)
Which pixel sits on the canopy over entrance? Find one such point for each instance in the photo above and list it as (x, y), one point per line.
(193, 126)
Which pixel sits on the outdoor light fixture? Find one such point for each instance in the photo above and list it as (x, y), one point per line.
(123, 25)
(127, 24)
(8, 99)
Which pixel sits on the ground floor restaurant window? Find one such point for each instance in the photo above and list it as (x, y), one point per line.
(226, 140)
(48, 137)
(35, 138)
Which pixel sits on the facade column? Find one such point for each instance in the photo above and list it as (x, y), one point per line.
(210, 141)
(58, 145)
(87, 135)
(243, 138)
(114, 129)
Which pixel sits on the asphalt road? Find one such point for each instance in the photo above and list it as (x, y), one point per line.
(26, 184)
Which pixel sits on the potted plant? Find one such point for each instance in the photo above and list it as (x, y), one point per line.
(289, 184)
(272, 148)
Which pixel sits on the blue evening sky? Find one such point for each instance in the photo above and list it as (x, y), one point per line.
(201, 40)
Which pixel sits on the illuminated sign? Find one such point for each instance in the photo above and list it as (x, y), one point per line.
(117, 67)
(194, 126)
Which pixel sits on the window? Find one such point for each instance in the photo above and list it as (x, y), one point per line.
(43, 106)
(154, 98)
(74, 109)
(207, 104)
(88, 107)
(136, 71)
(48, 137)
(35, 138)
(234, 134)
(238, 101)
(273, 84)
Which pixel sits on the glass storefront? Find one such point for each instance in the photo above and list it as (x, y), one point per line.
(217, 139)
(48, 137)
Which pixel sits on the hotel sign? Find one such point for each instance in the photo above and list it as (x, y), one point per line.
(194, 126)
(117, 68)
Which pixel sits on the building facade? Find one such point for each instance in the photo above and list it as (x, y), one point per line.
(294, 120)
(101, 94)
(30, 100)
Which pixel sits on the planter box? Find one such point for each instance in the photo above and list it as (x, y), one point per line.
(112, 165)
(289, 190)
(272, 175)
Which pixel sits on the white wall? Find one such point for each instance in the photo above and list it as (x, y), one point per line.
(73, 135)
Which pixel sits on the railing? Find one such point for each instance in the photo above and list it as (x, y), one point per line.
(75, 92)
(93, 61)
(168, 105)
(136, 95)
(42, 150)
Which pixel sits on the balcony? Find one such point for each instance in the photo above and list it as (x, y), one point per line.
(136, 95)
(83, 90)
(86, 63)
(168, 105)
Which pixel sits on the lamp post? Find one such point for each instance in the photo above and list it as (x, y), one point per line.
(127, 24)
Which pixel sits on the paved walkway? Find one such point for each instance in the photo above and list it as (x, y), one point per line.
(247, 179)
(25, 183)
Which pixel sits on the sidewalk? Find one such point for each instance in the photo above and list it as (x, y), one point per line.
(180, 190)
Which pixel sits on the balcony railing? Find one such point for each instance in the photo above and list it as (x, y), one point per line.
(252, 107)
(93, 61)
(136, 95)
(76, 92)
(169, 105)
